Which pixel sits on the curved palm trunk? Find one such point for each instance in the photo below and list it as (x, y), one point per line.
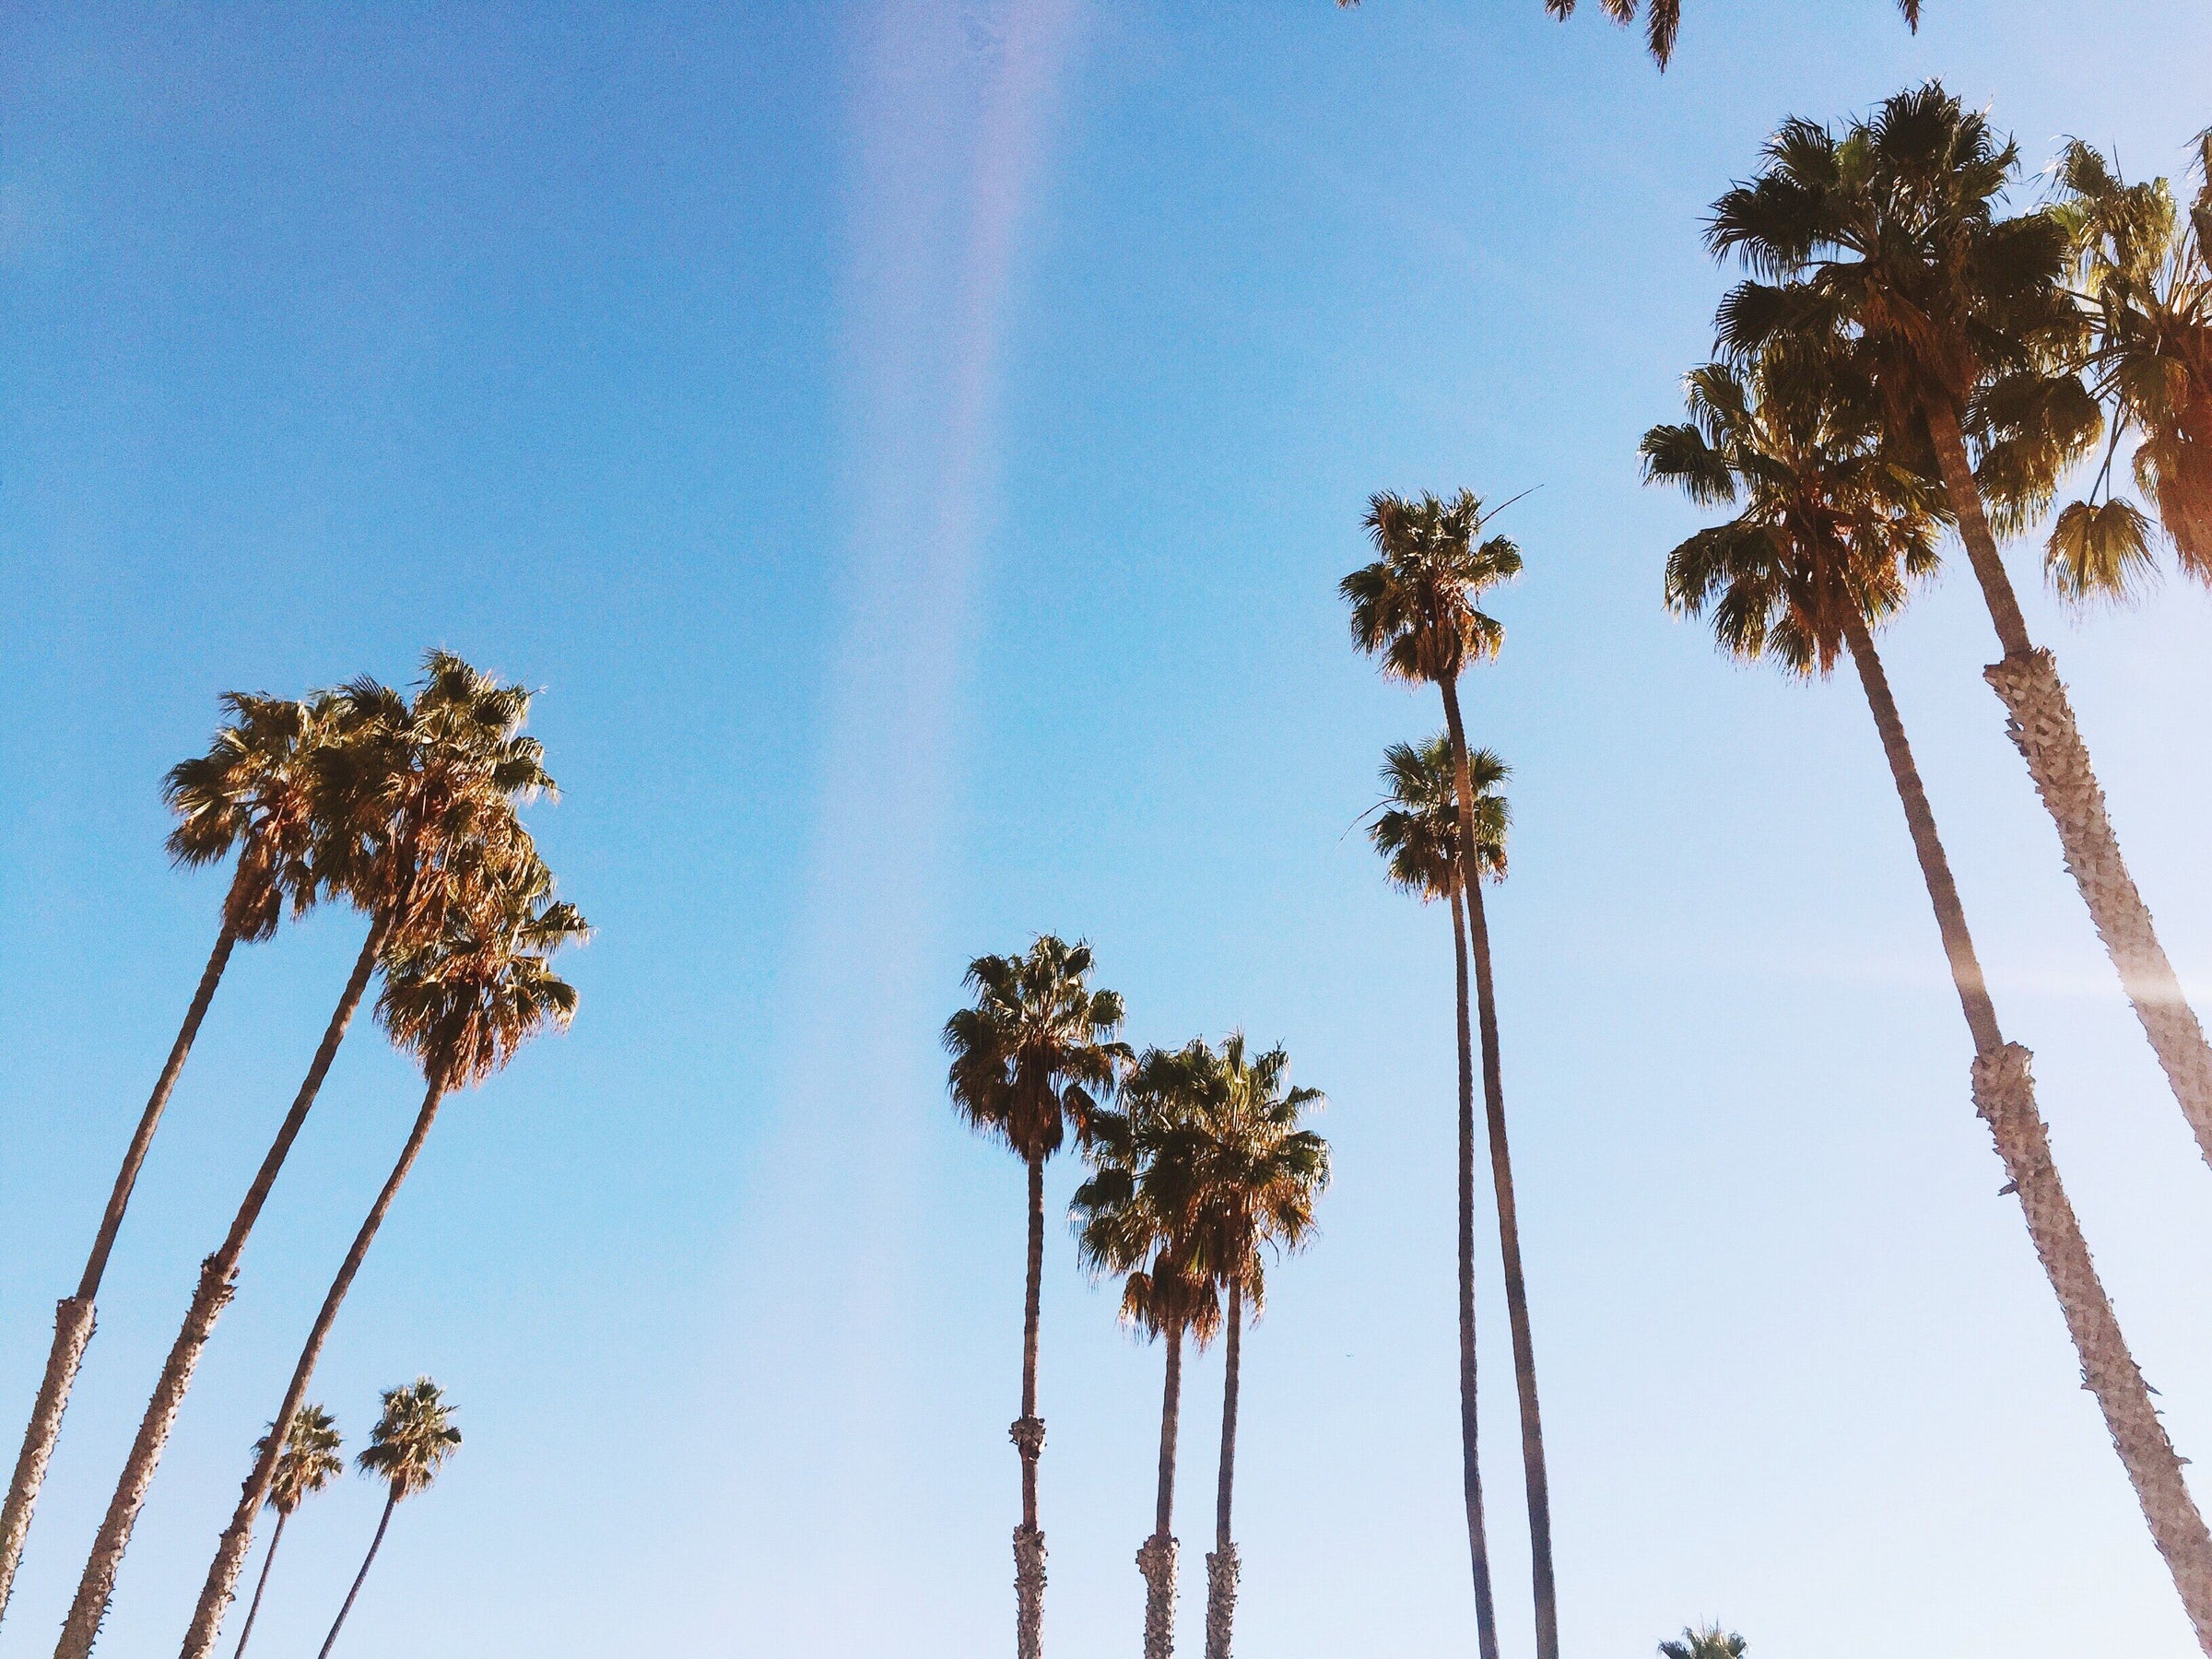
(1028, 1434)
(2003, 1094)
(72, 1317)
(261, 1585)
(238, 1537)
(1509, 1225)
(1155, 1559)
(2042, 726)
(217, 1283)
(375, 1544)
(1221, 1566)
(1479, 1545)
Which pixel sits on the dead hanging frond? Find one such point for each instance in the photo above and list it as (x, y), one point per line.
(2100, 551)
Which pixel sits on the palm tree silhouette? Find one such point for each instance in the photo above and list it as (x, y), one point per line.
(1707, 1643)
(308, 1462)
(1832, 531)
(1033, 1059)
(408, 1447)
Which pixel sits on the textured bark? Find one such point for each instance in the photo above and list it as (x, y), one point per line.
(1029, 1592)
(1509, 1226)
(74, 1321)
(2042, 726)
(1156, 1560)
(238, 1537)
(261, 1585)
(1221, 1569)
(218, 1282)
(375, 1544)
(1470, 1465)
(2004, 1093)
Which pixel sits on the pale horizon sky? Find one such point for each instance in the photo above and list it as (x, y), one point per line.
(914, 447)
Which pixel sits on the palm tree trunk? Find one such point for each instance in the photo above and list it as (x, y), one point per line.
(261, 1584)
(2004, 1093)
(2042, 726)
(1155, 1559)
(217, 1283)
(1028, 1434)
(1509, 1225)
(375, 1544)
(72, 1317)
(1221, 1566)
(1470, 1466)
(238, 1537)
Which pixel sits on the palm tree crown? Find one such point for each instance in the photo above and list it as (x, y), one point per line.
(310, 1460)
(1707, 1643)
(1036, 1056)
(1416, 826)
(411, 1440)
(258, 791)
(1418, 604)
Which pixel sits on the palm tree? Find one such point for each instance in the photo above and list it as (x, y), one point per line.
(1418, 606)
(1707, 1643)
(254, 792)
(411, 793)
(1122, 1226)
(1832, 533)
(1664, 21)
(1417, 831)
(1239, 1173)
(1888, 243)
(462, 1004)
(406, 1449)
(2144, 270)
(1033, 1059)
(308, 1462)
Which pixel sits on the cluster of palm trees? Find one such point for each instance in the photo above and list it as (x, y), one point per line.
(412, 1439)
(408, 809)
(1199, 1167)
(1906, 358)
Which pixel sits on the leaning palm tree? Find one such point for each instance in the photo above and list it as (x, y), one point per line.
(406, 1449)
(1032, 1061)
(252, 792)
(461, 1004)
(1888, 242)
(1417, 831)
(1711, 1642)
(1832, 531)
(2144, 270)
(1417, 607)
(1241, 1174)
(413, 792)
(1124, 1226)
(308, 1462)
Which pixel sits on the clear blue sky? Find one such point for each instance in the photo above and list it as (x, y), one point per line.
(914, 446)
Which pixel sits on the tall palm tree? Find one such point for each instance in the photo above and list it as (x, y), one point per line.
(308, 1462)
(1831, 534)
(412, 793)
(461, 1004)
(1418, 606)
(1889, 240)
(2144, 270)
(1711, 1642)
(1032, 1061)
(406, 1450)
(1241, 1174)
(252, 792)
(1125, 1228)
(1417, 831)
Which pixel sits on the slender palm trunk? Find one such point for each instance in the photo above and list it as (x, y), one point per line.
(2004, 1093)
(1028, 1434)
(72, 1317)
(1470, 1466)
(216, 1285)
(1509, 1225)
(2042, 726)
(375, 1544)
(1155, 1559)
(261, 1584)
(238, 1537)
(1222, 1566)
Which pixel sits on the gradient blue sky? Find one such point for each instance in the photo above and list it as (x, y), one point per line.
(914, 447)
